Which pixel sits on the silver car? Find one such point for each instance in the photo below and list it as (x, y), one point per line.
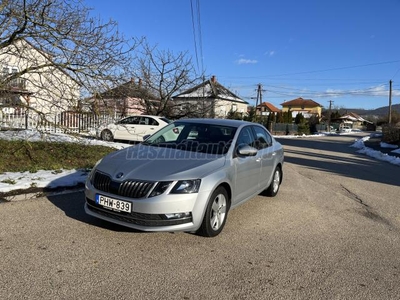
(186, 176)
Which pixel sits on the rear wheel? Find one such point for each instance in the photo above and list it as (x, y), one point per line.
(106, 135)
(216, 213)
(273, 188)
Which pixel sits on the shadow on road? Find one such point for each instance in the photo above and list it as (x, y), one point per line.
(72, 204)
(326, 154)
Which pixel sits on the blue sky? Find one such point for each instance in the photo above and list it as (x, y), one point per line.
(343, 50)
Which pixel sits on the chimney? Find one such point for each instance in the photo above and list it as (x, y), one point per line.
(132, 80)
(213, 79)
(140, 82)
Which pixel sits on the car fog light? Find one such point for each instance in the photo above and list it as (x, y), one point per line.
(178, 215)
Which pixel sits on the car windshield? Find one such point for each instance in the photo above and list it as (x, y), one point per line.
(196, 137)
(166, 120)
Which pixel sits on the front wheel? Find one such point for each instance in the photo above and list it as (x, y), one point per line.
(106, 135)
(273, 188)
(216, 213)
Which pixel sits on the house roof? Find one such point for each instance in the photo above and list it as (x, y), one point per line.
(301, 102)
(209, 89)
(269, 106)
(127, 89)
(353, 117)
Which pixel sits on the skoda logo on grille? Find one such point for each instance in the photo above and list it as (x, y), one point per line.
(119, 175)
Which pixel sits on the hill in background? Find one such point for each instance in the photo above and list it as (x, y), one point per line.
(381, 111)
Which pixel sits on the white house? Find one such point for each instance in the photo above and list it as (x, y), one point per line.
(30, 79)
(210, 99)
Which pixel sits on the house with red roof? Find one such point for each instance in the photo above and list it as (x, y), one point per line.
(129, 98)
(265, 108)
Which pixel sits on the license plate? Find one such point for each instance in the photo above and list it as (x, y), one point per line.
(114, 204)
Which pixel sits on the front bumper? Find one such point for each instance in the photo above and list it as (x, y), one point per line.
(135, 218)
(152, 214)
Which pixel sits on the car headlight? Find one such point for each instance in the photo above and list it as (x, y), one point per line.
(91, 174)
(160, 188)
(186, 187)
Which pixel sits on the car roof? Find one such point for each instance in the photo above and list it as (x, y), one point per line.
(222, 122)
(152, 116)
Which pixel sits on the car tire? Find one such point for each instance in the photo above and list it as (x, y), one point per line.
(106, 135)
(273, 188)
(216, 213)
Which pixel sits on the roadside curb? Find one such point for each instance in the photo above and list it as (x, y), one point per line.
(29, 194)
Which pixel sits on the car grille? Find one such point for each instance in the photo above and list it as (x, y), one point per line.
(127, 188)
(135, 217)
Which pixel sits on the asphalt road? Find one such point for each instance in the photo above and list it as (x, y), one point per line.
(333, 232)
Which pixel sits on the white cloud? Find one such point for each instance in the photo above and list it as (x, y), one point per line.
(244, 61)
(377, 91)
(270, 53)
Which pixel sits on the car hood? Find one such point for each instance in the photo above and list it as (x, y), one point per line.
(142, 162)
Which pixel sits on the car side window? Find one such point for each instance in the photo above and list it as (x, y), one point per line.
(129, 120)
(147, 121)
(246, 137)
(152, 122)
(264, 139)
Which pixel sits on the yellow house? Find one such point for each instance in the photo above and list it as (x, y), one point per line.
(306, 107)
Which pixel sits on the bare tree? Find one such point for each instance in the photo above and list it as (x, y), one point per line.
(53, 52)
(163, 74)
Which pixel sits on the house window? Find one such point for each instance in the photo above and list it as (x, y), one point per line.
(234, 107)
(9, 70)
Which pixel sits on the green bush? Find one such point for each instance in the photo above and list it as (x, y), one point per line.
(303, 128)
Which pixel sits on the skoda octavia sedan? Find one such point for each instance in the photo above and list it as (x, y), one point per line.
(186, 177)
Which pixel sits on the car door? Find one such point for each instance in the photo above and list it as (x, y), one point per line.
(247, 168)
(125, 128)
(146, 126)
(267, 155)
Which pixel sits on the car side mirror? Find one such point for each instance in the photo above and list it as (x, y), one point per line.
(145, 137)
(246, 150)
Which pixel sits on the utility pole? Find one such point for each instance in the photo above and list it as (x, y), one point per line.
(329, 116)
(259, 94)
(390, 102)
(259, 97)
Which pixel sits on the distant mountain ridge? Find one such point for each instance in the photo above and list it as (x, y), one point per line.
(381, 111)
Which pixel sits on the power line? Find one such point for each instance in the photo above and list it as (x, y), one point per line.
(316, 71)
(396, 73)
(200, 36)
(194, 34)
(196, 16)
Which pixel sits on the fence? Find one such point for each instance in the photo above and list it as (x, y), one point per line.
(283, 128)
(87, 123)
(64, 122)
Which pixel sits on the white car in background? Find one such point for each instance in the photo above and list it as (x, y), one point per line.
(345, 129)
(132, 128)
